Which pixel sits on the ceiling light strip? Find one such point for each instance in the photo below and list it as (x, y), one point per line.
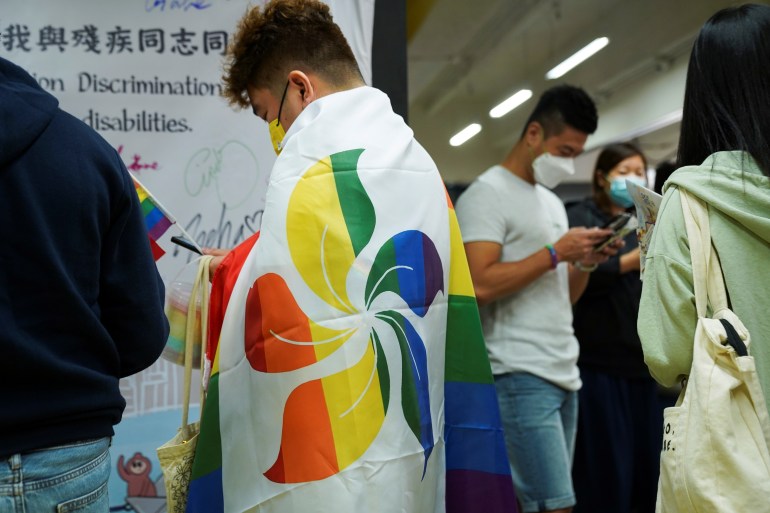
(466, 133)
(511, 103)
(579, 56)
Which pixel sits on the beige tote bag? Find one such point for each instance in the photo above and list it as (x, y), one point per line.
(176, 455)
(715, 440)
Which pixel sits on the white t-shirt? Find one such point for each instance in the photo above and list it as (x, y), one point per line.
(530, 330)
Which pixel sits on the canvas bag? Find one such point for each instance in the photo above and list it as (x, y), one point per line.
(176, 455)
(715, 440)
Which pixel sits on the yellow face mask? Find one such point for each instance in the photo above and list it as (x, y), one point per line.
(277, 132)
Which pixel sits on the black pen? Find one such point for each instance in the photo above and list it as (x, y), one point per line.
(181, 241)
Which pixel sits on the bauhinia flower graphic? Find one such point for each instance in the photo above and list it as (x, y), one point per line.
(328, 423)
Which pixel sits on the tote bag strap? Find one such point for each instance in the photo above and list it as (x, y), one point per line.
(200, 287)
(708, 281)
(204, 292)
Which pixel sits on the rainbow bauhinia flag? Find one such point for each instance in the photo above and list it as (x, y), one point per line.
(156, 218)
(349, 372)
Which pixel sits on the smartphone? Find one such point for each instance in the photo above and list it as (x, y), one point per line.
(181, 241)
(617, 222)
(620, 225)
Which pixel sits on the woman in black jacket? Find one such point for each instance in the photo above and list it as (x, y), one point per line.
(618, 437)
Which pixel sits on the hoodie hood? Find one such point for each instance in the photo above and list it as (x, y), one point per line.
(25, 111)
(731, 182)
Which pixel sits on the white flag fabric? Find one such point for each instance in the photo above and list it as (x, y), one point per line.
(351, 321)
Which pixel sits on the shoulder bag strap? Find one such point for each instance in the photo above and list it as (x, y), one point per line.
(708, 281)
(204, 293)
(200, 287)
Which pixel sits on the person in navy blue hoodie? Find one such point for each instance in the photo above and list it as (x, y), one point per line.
(81, 301)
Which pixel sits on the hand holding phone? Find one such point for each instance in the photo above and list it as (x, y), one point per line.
(620, 225)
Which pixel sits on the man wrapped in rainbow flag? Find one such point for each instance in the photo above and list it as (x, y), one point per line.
(349, 372)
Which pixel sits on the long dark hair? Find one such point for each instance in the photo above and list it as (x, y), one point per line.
(610, 157)
(727, 95)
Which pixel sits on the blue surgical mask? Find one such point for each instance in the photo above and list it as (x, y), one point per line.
(619, 191)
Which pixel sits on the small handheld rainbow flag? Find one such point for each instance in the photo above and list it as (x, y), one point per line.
(156, 218)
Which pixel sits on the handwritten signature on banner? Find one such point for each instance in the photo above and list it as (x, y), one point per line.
(227, 233)
(183, 5)
(232, 169)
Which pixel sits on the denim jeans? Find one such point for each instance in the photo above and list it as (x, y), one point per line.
(540, 423)
(62, 479)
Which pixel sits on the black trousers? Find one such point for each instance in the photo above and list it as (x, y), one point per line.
(617, 451)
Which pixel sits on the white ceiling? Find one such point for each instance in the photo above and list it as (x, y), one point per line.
(467, 56)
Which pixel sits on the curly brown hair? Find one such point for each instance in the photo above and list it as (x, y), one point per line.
(285, 35)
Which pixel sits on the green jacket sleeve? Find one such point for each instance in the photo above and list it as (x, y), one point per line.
(667, 316)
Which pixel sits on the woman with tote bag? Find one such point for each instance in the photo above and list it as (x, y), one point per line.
(724, 187)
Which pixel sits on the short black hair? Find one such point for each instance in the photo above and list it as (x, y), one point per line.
(727, 93)
(561, 106)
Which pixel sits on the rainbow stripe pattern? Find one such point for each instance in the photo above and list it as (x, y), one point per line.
(205, 493)
(329, 422)
(155, 218)
(478, 475)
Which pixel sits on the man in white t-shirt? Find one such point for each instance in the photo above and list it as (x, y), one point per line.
(528, 268)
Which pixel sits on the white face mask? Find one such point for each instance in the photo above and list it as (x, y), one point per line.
(551, 170)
